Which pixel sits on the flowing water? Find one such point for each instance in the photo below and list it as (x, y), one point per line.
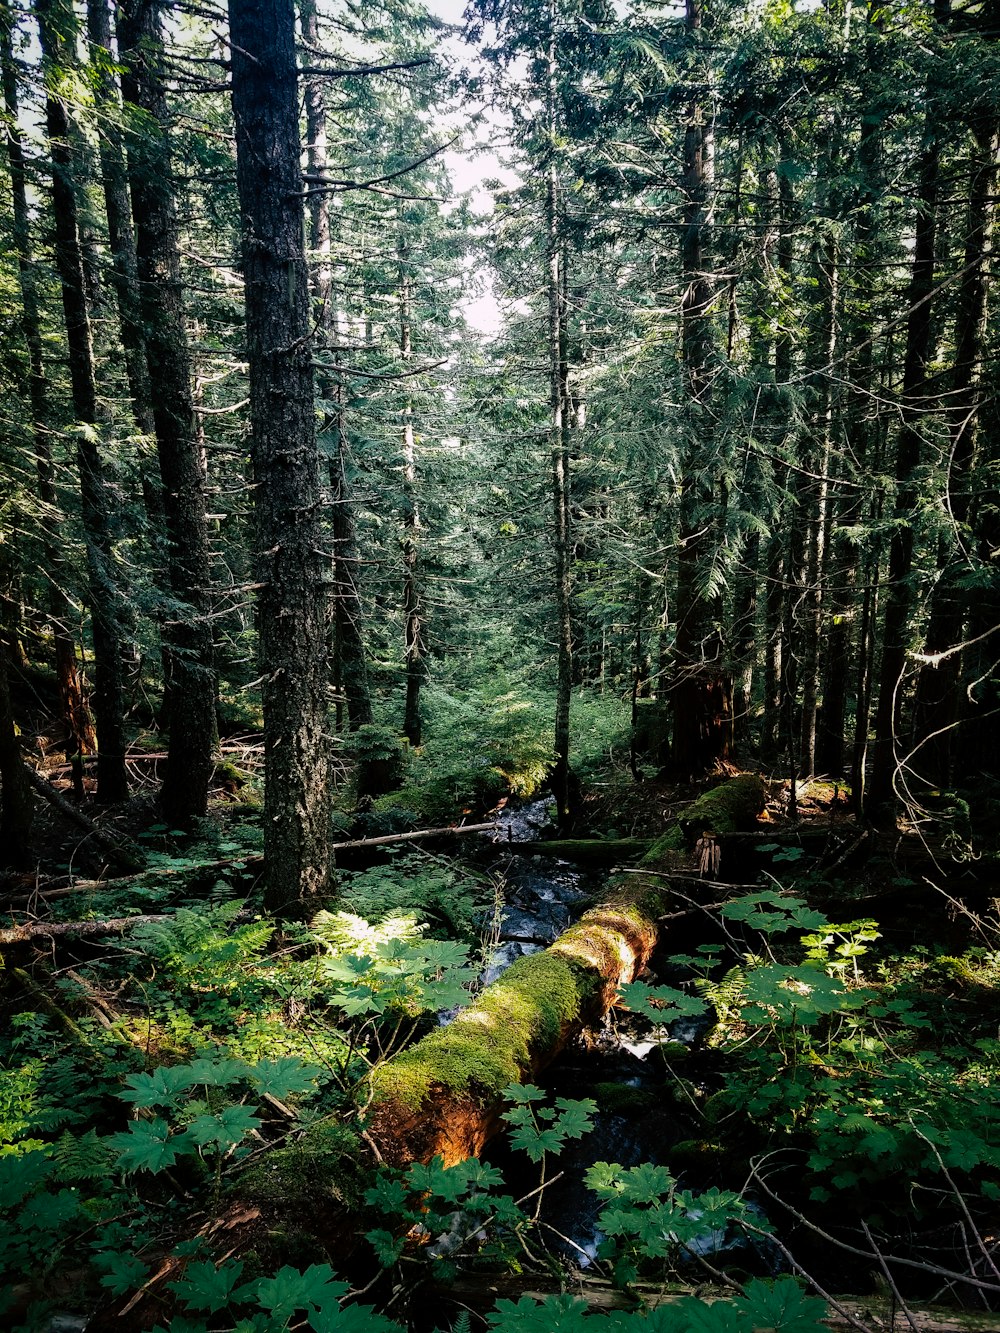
(621, 1067)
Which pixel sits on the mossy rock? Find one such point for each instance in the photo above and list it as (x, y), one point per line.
(226, 774)
(619, 1099)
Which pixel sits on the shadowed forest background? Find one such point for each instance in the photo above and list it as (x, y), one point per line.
(522, 659)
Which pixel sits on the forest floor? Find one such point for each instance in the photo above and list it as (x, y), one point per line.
(813, 1068)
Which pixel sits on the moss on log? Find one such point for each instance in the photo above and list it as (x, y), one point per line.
(444, 1095)
(732, 807)
(601, 852)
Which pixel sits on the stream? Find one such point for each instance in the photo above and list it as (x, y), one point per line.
(623, 1070)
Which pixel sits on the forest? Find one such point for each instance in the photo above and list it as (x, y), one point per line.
(499, 729)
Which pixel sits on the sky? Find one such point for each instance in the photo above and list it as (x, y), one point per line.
(470, 166)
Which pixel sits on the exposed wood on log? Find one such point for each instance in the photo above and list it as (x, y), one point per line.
(36, 930)
(444, 1095)
(128, 858)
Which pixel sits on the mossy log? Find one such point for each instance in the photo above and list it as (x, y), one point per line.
(598, 852)
(731, 807)
(444, 1095)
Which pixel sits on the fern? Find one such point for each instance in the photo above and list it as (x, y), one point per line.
(80, 1158)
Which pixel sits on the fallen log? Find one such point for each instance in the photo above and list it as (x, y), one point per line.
(244, 862)
(480, 1293)
(444, 1096)
(602, 852)
(36, 930)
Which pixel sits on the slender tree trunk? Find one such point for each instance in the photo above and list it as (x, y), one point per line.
(745, 652)
(292, 607)
(16, 802)
(57, 27)
(190, 685)
(817, 529)
(121, 240)
(74, 714)
(900, 599)
(848, 506)
(349, 651)
(779, 704)
(702, 688)
(559, 450)
(939, 688)
(413, 613)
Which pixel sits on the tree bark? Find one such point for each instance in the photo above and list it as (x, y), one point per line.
(939, 687)
(74, 713)
(57, 32)
(190, 684)
(16, 804)
(292, 603)
(349, 649)
(121, 239)
(702, 686)
(558, 440)
(900, 599)
(413, 615)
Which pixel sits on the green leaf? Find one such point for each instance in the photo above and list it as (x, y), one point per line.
(125, 1271)
(146, 1146)
(226, 1129)
(290, 1290)
(205, 1287)
(49, 1212)
(22, 1174)
(782, 1306)
(218, 1073)
(660, 1004)
(351, 1319)
(556, 1314)
(521, 1094)
(286, 1077)
(387, 1246)
(163, 1087)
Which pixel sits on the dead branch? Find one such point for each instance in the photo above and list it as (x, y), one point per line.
(129, 858)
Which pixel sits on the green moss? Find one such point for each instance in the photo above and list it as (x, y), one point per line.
(324, 1166)
(731, 806)
(490, 1044)
(594, 851)
(617, 1099)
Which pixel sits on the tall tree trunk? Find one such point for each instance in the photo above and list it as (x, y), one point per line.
(413, 612)
(939, 688)
(817, 523)
(900, 600)
(74, 714)
(349, 649)
(702, 688)
(121, 240)
(190, 684)
(292, 606)
(559, 446)
(57, 31)
(16, 802)
(848, 506)
(780, 575)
